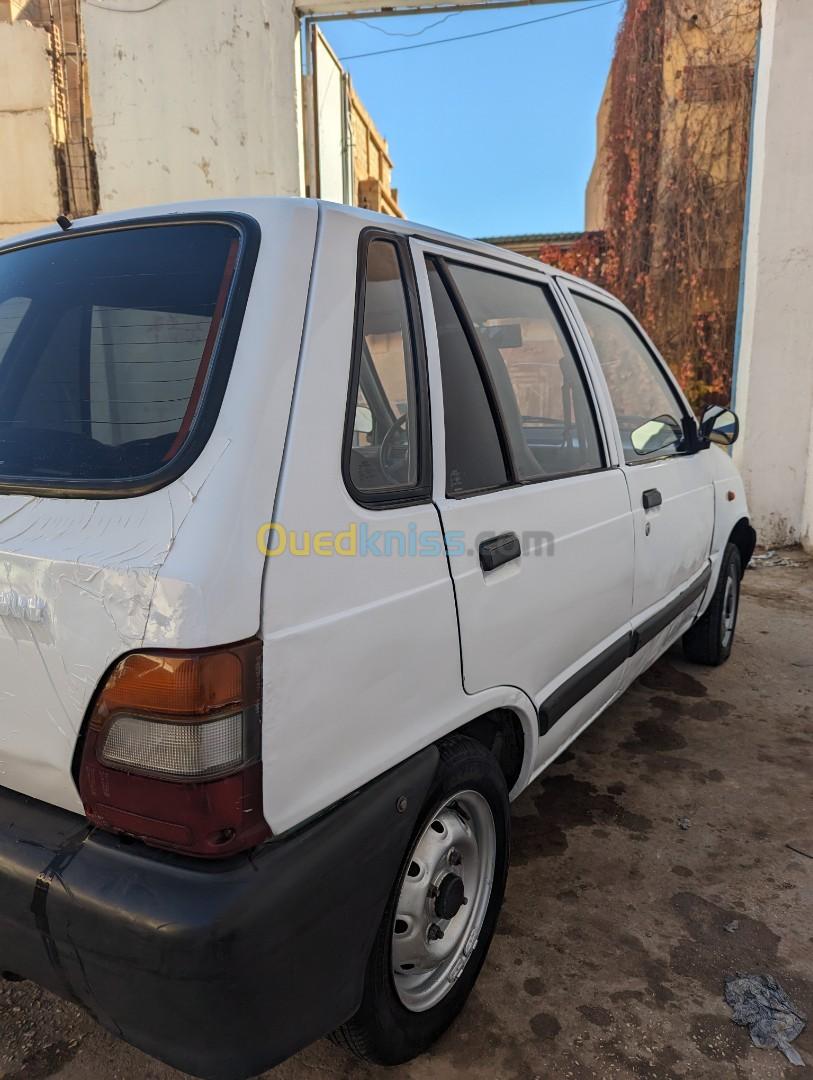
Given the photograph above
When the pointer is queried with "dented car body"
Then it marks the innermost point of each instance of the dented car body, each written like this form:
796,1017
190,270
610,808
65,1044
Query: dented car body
293,499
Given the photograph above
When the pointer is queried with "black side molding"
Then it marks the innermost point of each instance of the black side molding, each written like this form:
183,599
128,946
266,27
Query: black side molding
580,684
661,619
500,549
600,667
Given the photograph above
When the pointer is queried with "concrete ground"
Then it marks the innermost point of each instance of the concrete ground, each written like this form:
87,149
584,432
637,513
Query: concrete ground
620,922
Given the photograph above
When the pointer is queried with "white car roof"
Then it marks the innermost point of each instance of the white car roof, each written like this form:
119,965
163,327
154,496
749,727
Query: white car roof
254,205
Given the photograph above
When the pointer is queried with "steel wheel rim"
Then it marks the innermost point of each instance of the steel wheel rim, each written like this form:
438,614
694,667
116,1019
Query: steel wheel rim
730,601
459,842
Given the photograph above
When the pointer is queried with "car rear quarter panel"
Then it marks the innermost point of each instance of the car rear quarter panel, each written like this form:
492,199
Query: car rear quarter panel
175,568
209,589
361,657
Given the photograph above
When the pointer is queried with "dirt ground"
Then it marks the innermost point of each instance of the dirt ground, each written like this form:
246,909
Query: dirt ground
653,859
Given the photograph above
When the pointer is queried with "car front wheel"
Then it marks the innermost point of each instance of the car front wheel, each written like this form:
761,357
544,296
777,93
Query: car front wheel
709,641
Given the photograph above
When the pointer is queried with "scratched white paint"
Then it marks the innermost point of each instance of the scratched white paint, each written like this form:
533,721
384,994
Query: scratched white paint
193,99
177,568
774,387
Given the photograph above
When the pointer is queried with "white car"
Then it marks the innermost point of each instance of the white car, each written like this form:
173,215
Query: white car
321,535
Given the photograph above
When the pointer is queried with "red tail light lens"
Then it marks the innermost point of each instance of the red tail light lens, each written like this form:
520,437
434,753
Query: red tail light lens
172,750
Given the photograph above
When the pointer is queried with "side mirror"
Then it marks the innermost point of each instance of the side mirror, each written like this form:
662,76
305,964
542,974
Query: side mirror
719,425
657,434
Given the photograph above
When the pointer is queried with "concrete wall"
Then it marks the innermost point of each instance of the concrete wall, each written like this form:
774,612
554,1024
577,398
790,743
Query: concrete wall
774,374
192,99
26,137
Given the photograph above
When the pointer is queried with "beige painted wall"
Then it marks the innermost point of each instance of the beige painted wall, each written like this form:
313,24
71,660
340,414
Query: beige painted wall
595,196
26,141
193,99
774,385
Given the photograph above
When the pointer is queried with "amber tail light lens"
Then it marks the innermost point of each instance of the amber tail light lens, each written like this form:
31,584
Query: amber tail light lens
172,750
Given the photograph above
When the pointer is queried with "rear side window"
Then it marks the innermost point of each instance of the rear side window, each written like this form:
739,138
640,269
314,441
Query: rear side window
109,344
382,449
474,457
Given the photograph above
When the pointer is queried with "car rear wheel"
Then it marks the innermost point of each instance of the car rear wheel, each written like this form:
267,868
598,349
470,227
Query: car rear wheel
442,912
709,641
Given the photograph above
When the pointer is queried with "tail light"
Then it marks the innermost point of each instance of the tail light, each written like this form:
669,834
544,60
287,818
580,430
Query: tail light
172,750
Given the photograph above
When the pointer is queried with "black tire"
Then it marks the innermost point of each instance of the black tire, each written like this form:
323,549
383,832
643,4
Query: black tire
709,641
383,1030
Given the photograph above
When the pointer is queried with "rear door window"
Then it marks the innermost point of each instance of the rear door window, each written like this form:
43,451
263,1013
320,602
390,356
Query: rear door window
475,460
109,350
545,404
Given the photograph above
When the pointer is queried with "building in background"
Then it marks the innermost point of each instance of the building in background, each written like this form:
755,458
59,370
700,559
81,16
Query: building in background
666,197
708,234
117,103
346,158
48,160
121,103
372,164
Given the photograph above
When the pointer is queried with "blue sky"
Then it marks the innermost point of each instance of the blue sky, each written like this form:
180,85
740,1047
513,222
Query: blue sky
494,135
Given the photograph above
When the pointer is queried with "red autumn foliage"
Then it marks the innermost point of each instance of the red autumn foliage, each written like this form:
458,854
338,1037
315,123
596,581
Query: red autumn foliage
675,170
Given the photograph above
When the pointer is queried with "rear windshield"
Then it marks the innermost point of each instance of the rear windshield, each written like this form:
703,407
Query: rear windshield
107,344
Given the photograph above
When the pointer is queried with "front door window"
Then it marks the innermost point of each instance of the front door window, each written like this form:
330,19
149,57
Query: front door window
649,412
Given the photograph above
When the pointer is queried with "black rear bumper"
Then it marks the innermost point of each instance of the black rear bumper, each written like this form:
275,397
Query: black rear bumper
219,969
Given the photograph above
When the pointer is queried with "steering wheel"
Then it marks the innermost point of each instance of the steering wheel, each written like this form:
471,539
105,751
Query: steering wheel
393,458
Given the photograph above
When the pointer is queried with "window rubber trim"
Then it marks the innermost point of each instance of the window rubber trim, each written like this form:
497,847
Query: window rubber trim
220,364
520,484
420,492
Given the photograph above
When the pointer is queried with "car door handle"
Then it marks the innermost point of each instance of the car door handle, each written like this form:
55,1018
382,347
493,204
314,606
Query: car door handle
498,550
651,497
